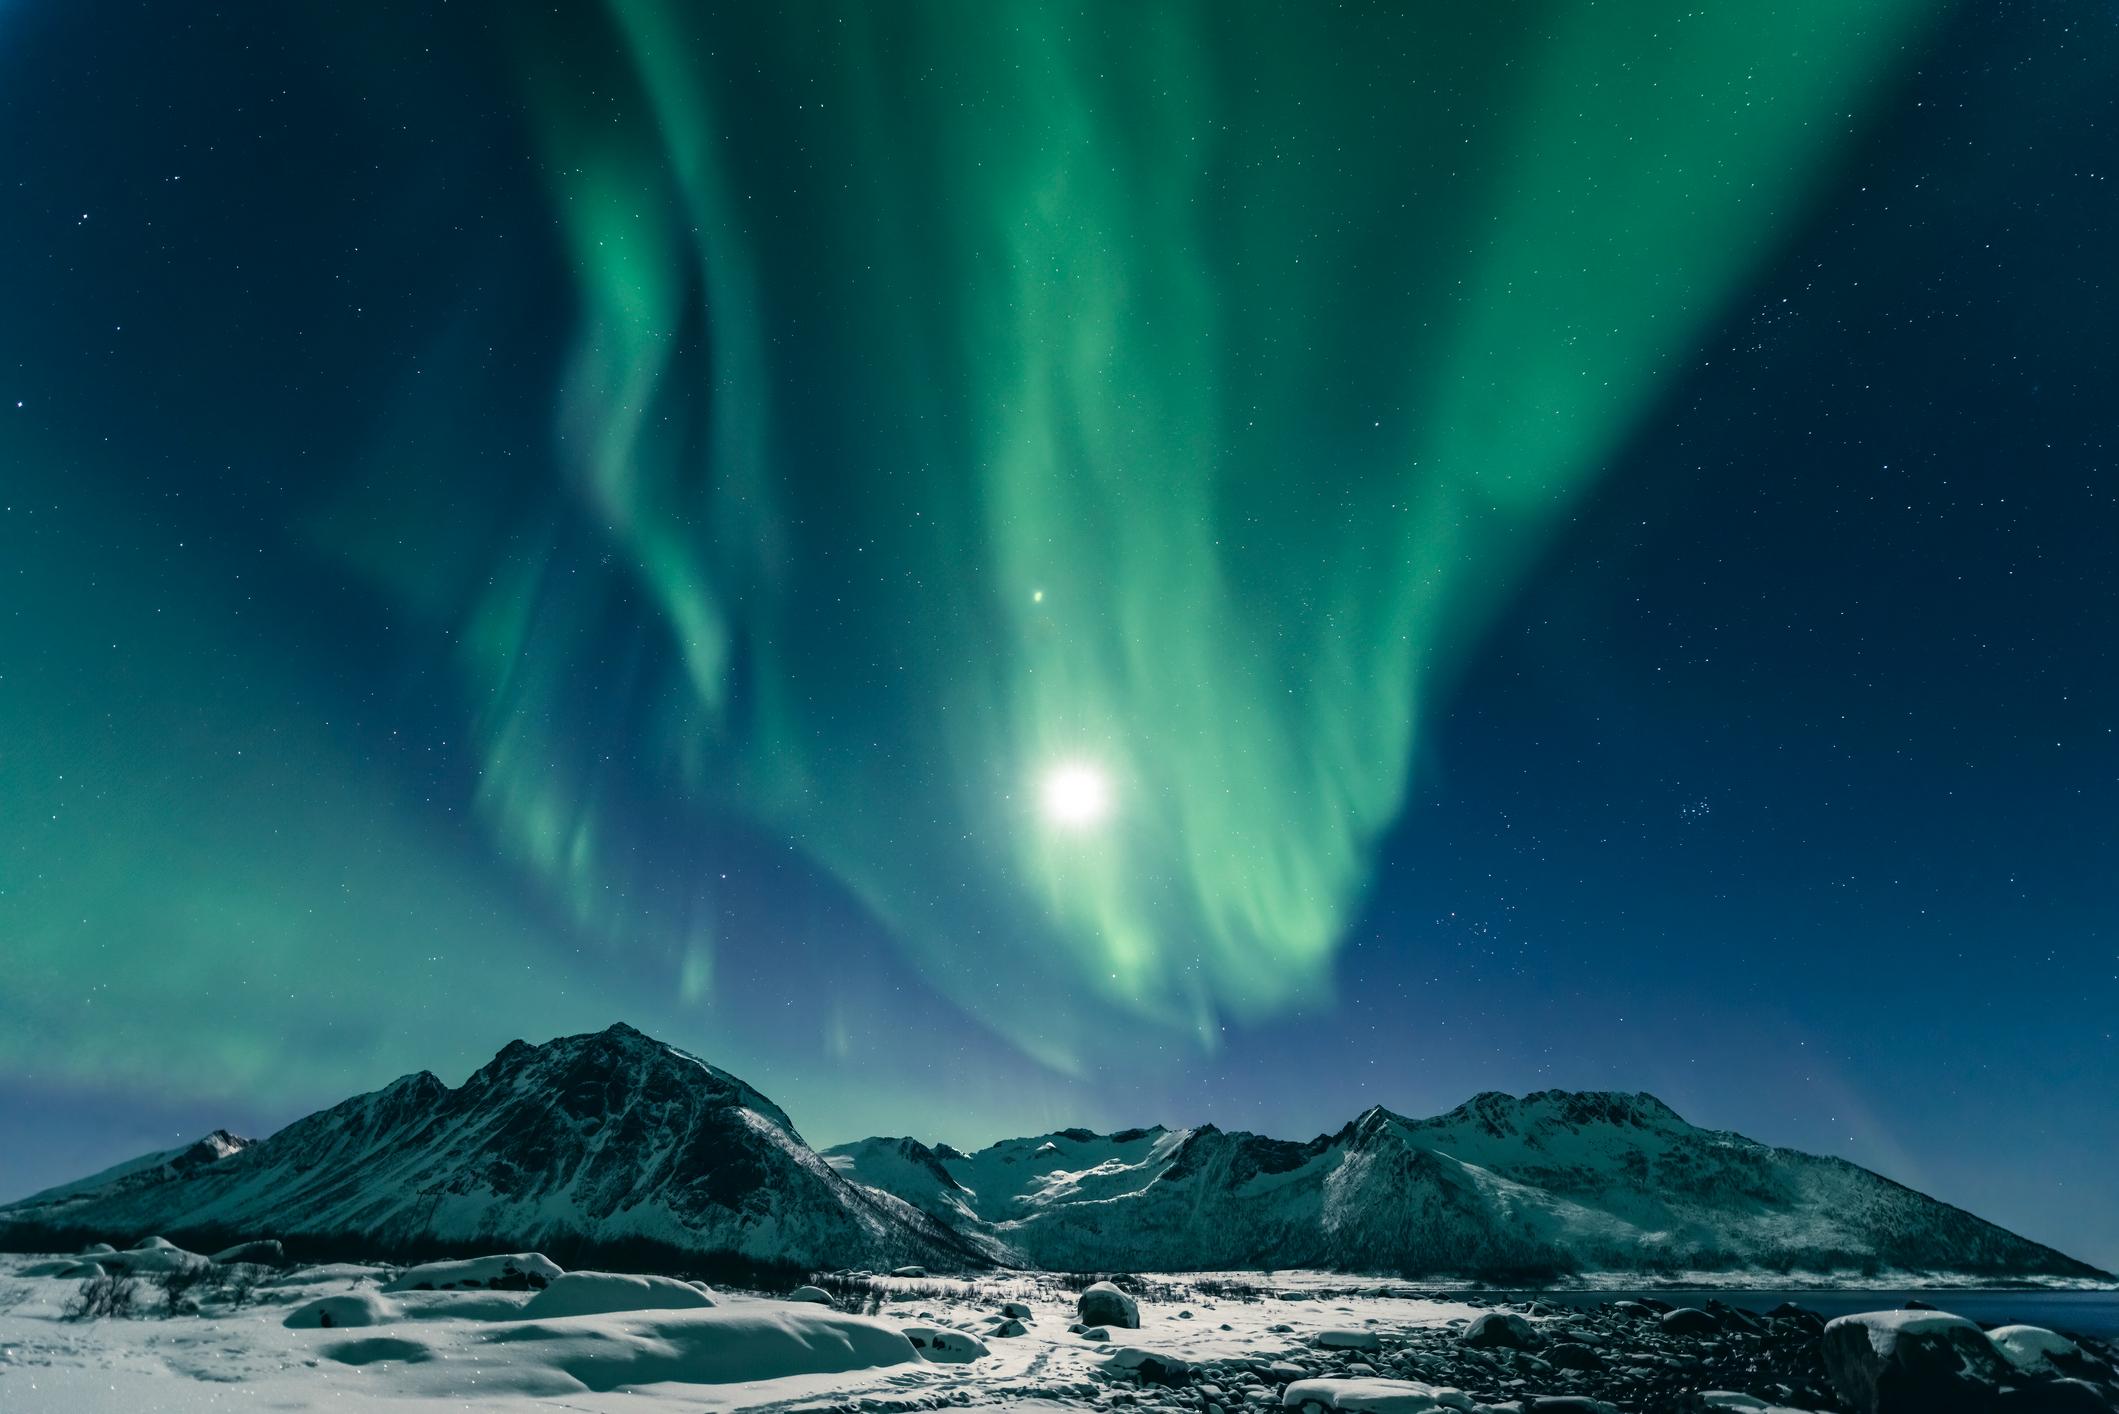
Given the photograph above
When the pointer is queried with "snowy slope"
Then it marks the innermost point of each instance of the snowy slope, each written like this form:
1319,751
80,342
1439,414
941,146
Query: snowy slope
611,1140
617,1143
1498,1188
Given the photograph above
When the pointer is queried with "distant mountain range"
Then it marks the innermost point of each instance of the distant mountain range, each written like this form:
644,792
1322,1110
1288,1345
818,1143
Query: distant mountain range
617,1143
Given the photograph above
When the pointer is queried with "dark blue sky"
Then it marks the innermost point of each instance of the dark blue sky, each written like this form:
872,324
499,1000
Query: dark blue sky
1776,774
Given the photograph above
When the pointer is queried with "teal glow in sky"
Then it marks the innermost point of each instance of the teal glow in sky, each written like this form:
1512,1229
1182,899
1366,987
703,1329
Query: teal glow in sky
994,566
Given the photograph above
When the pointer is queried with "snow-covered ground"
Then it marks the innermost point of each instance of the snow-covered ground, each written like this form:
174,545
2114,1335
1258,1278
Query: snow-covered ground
454,1349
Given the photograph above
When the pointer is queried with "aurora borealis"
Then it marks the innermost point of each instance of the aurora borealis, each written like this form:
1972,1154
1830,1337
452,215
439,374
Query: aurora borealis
990,566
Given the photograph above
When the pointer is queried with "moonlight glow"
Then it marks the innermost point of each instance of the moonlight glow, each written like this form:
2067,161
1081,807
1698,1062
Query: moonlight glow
1075,795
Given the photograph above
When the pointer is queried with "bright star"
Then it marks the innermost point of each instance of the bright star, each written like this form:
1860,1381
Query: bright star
1075,795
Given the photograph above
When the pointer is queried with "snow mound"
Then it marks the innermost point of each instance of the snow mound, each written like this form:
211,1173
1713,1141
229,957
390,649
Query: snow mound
815,1295
2032,1348
945,1346
724,1345
600,1293
354,1308
1375,1396
1886,1329
512,1271
151,1258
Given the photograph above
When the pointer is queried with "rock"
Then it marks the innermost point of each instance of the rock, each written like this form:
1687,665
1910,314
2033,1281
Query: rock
1916,1304
1374,1396
1105,1305
1151,1366
356,1308
1659,1307
1912,1362
1094,1332
1500,1330
1573,1355
2034,1349
266,1252
945,1346
1348,1340
909,1272
1689,1320
1632,1308
1567,1404
600,1293
97,1249
1016,1309
815,1295
1010,1328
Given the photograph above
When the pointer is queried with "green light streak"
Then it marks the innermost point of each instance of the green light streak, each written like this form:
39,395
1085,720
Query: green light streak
1270,345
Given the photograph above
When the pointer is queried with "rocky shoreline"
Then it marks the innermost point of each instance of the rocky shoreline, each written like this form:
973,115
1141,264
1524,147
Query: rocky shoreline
1645,1356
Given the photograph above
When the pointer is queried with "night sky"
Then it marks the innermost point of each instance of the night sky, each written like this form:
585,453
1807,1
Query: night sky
989,567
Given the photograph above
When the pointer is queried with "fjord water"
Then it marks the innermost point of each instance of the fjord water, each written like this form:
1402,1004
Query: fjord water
2092,1313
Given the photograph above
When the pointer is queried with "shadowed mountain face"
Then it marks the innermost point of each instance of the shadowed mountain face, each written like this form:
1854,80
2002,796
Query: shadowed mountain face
610,1140
615,1140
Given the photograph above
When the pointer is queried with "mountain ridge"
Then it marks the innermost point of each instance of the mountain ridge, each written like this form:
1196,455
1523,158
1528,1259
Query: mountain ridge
614,1140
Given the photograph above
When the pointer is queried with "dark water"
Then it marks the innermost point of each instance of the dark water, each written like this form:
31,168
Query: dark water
2093,1313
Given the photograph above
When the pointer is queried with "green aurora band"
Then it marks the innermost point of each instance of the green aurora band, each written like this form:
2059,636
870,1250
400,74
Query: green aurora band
1170,388
957,390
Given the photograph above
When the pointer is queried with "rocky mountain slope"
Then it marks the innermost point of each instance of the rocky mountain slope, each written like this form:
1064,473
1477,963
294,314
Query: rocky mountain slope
610,1141
617,1143
1498,1188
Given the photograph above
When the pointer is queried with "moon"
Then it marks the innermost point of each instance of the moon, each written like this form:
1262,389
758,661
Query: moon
1075,795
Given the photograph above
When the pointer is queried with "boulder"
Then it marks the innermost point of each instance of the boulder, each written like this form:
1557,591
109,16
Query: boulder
1912,1362
1500,1329
1374,1396
945,1346
1567,1404
2034,1349
1094,1332
1015,1309
600,1293
1689,1320
1151,1366
1105,1305
909,1272
1009,1328
1348,1339
1573,1355
816,1295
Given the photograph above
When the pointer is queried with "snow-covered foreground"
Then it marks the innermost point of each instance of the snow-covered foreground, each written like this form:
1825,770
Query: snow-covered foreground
433,1350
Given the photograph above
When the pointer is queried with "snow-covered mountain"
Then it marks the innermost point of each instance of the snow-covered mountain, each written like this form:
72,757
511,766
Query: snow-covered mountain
1499,1187
607,1141
617,1143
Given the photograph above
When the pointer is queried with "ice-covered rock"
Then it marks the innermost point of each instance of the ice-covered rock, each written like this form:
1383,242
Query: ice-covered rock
815,1295
1500,1328
2033,1348
598,1293
1017,1310
1103,1304
1375,1396
1911,1362
943,1345
512,1271
353,1308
